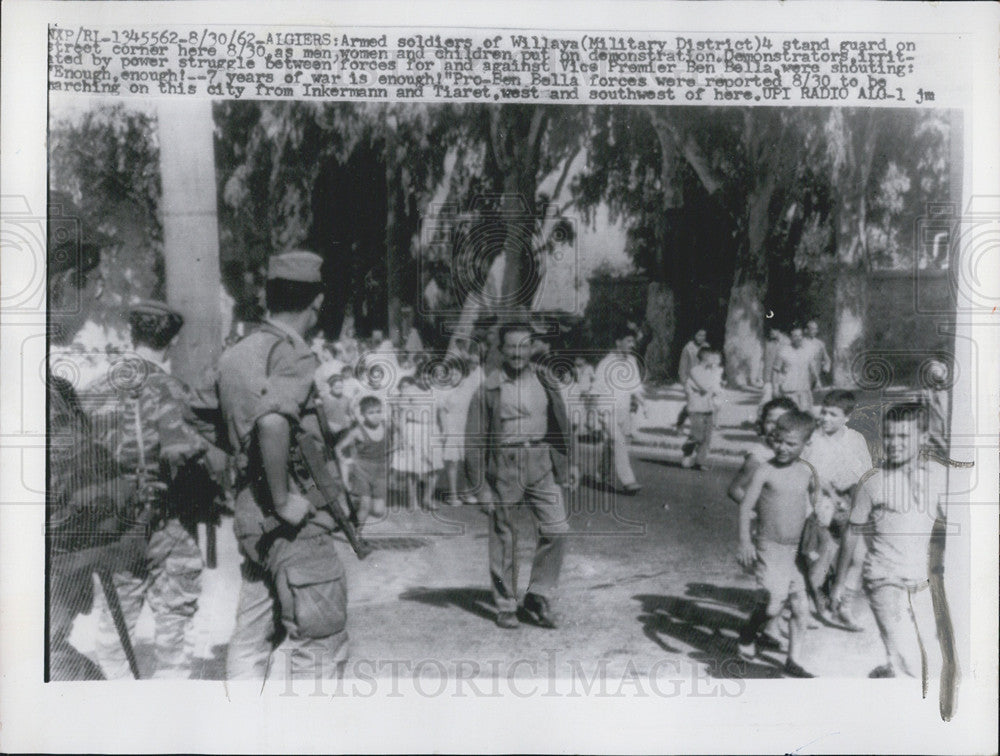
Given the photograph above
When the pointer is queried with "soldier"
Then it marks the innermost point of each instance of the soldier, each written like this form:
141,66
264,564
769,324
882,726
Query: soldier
291,568
144,420
73,458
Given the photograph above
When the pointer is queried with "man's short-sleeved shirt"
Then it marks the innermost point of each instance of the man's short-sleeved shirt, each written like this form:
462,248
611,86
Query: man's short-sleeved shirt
270,371
817,349
840,460
898,507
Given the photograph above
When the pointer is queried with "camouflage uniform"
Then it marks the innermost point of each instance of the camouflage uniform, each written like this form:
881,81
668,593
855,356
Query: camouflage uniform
293,596
75,466
141,398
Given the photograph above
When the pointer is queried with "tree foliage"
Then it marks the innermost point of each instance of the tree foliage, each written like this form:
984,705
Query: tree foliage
105,162
732,211
323,174
792,193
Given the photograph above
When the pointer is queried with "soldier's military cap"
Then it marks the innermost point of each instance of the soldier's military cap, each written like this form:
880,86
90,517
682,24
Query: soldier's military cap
160,313
295,265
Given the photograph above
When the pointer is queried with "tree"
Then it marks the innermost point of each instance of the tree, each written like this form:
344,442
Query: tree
881,169
632,168
752,185
852,138
725,168
503,154
105,161
349,179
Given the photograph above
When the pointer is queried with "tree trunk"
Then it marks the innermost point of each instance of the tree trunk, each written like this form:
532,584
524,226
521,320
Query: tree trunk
851,306
396,242
191,232
744,347
516,134
476,303
520,278
744,340
861,132
516,137
660,302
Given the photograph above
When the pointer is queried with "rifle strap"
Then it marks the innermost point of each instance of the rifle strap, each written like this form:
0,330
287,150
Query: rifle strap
140,439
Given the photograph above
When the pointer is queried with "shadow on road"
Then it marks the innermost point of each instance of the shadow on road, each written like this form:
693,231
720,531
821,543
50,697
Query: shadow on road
477,601
66,663
741,599
211,669
747,399
675,463
710,631
654,431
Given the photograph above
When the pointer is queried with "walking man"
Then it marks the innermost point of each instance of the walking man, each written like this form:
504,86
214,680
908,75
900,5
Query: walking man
617,378
794,372
518,438
899,508
815,345
689,358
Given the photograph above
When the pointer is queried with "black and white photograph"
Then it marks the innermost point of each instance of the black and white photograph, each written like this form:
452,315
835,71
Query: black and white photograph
543,353
517,400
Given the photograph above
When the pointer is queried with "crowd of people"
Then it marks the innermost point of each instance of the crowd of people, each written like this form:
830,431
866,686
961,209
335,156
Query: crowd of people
397,414
819,525
495,422
393,418
799,487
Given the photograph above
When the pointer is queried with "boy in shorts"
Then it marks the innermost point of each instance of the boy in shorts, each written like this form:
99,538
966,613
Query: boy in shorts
703,388
336,407
366,468
761,452
782,492
840,457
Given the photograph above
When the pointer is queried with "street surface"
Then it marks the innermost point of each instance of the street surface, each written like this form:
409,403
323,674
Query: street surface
641,583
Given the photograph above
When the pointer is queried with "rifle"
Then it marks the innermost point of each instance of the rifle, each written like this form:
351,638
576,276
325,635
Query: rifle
330,441
146,491
223,491
111,595
314,460
211,550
